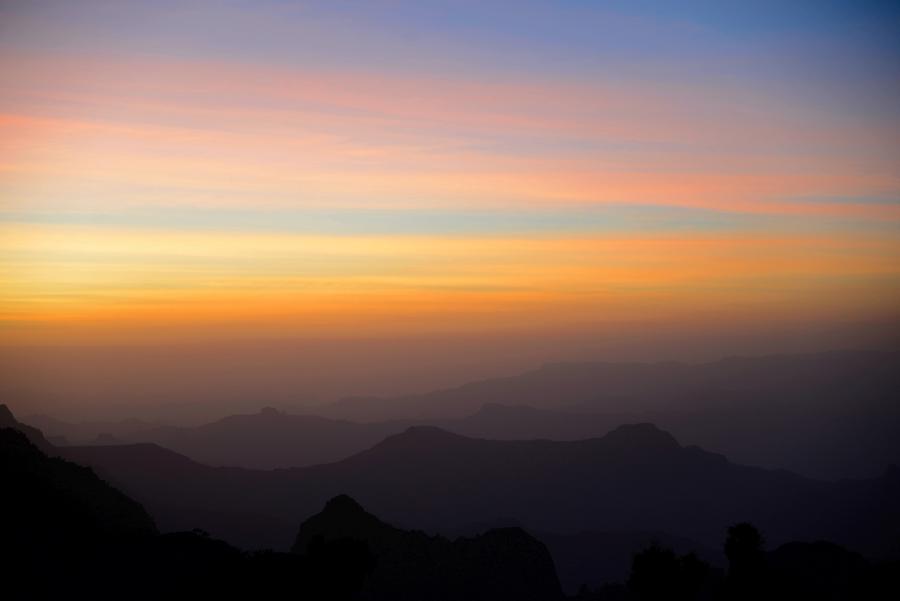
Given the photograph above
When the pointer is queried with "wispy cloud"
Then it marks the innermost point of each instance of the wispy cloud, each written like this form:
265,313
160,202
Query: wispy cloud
328,172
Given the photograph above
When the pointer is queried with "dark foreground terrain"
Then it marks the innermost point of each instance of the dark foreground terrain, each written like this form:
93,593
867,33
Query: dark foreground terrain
67,533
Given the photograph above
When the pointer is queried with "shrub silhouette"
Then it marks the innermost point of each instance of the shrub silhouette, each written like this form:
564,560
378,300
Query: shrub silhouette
338,566
658,573
746,562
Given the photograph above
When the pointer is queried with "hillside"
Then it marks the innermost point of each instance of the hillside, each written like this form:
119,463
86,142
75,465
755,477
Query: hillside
635,478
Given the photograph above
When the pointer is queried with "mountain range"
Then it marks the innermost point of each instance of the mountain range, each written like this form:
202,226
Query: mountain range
69,534
594,502
829,415
637,477
826,415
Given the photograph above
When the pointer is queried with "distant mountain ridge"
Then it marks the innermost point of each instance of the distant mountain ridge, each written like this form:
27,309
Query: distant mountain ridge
635,478
245,505
828,415
613,387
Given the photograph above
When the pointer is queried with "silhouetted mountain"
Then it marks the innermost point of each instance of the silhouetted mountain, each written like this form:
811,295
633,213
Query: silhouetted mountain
499,564
522,422
827,415
68,493
218,500
68,534
270,439
86,432
595,559
35,436
820,378
52,511
635,478
105,438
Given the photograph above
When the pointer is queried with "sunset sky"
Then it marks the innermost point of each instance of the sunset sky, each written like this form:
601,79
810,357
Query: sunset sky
195,171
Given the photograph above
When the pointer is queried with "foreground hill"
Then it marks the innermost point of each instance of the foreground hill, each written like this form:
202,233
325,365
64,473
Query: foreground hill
34,435
50,496
53,512
635,478
503,563
68,534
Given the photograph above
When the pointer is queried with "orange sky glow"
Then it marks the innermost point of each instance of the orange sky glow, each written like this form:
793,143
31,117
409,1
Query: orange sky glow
321,179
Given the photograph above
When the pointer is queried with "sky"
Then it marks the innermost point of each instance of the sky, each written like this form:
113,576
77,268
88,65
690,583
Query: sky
204,173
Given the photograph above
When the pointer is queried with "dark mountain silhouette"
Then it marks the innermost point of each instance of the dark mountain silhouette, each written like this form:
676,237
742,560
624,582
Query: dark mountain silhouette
52,511
827,415
106,438
635,478
820,378
68,534
523,422
222,501
71,496
35,436
594,559
499,564
273,439
270,439
85,432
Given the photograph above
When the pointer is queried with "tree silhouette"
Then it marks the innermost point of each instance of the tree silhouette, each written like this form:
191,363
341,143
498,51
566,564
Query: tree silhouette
338,566
693,572
658,573
746,562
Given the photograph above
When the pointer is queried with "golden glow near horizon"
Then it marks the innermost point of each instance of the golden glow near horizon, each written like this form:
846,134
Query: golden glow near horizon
210,191
82,281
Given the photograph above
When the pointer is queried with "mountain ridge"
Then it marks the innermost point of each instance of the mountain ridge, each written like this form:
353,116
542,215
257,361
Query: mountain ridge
412,479
851,393
411,565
